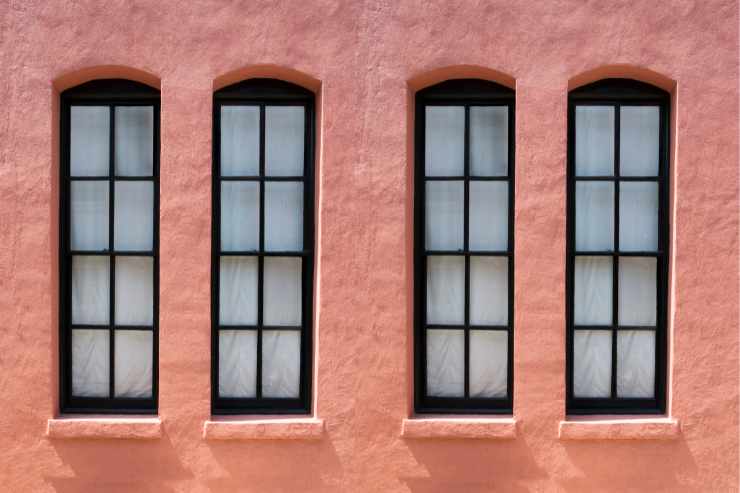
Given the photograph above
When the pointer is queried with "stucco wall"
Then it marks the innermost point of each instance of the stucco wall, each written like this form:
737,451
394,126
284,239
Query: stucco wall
364,59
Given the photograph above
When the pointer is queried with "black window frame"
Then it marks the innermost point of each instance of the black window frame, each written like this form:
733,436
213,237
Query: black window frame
618,92
263,92
112,93
467,93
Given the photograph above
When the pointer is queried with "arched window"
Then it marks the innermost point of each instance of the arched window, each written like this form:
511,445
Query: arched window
263,231
463,253
617,247
109,247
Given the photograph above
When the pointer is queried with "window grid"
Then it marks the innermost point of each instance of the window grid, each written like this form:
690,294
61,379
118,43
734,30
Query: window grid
632,98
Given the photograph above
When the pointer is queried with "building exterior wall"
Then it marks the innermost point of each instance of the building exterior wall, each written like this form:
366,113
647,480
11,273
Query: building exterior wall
364,60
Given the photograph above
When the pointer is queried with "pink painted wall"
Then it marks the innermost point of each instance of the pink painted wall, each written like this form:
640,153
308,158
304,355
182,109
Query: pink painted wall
364,60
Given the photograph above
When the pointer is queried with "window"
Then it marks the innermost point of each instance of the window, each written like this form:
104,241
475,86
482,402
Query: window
262,248
464,259
617,248
109,261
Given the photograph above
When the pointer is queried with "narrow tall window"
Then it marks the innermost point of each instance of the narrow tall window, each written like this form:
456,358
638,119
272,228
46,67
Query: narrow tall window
464,261
262,248
109,247
617,247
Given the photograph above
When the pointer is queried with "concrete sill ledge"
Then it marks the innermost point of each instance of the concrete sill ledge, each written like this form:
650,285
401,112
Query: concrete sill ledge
264,428
473,427
109,427
624,428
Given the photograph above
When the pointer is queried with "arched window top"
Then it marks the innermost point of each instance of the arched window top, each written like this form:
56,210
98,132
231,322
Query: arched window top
466,89
264,89
111,90
619,90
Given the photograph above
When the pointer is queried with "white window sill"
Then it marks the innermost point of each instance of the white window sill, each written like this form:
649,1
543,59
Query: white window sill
619,428
467,427
263,428
105,427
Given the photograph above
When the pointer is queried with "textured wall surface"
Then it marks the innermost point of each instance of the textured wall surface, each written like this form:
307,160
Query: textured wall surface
364,59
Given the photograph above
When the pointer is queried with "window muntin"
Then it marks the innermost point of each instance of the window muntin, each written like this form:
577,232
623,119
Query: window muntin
617,248
464,247
109,247
263,240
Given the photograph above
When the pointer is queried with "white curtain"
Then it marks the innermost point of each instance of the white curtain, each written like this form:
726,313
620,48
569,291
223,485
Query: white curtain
90,363
445,290
445,140
237,363
639,140
240,216
281,357
594,140
445,363
284,140
444,215
240,140
592,292
638,216
134,140
238,291
637,291
636,363
90,290
489,215
89,140
134,215
282,291
133,363
488,363
89,215
283,216
134,290
594,216
489,290
592,369
489,140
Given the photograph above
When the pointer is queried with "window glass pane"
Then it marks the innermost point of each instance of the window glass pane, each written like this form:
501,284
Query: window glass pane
90,363
240,216
284,216
240,140
444,215
282,291
281,363
489,140
445,363
639,140
90,290
134,215
237,363
594,216
489,290
592,368
636,363
445,140
592,291
89,215
445,290
637,291
489,215
89,145
238,291
133,363
488,363
638,216
284,140
134,140
594,141
134,290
